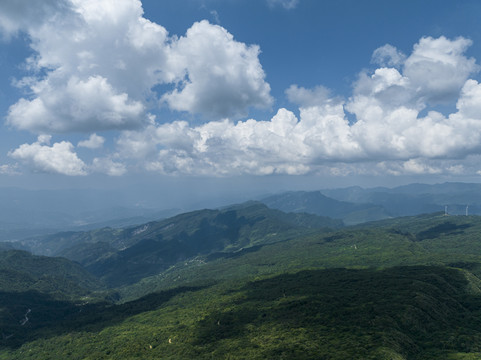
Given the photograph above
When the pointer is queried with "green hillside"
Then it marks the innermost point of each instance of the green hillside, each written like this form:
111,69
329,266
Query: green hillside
125,256
37,291
20,271
404,288
396,242
397,313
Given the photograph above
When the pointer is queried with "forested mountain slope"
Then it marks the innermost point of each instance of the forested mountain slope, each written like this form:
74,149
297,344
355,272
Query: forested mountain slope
404,288
122,256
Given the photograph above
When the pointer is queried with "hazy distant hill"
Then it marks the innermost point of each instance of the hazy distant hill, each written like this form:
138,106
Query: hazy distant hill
314,202
416,198
26,213
356,205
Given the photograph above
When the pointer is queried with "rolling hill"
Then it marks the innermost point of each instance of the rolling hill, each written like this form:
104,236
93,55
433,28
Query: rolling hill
22,271
123,256
402,288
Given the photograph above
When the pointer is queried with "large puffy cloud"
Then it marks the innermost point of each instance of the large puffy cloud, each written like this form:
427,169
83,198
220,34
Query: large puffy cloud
96,63
388,130
75,106
284,145
434,73
321,136
469,103
222,77
59,158
93,67
220,148
387,103
438,68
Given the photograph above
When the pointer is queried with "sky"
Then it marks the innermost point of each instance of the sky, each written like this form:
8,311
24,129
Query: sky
239,96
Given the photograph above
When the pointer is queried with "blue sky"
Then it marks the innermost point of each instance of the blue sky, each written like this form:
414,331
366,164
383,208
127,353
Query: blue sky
263,94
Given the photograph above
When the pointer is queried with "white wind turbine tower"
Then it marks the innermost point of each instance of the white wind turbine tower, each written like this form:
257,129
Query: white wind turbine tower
467,208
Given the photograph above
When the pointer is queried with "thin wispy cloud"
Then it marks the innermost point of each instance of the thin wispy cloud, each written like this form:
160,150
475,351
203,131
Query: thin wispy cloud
215,16
286,4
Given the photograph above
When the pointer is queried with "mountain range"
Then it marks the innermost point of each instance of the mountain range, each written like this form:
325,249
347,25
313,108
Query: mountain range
250,281
27,213
355,205
120,256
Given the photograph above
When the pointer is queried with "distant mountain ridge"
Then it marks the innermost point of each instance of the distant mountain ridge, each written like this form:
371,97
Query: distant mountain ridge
126,255
314,202
26,213
355,205
416,198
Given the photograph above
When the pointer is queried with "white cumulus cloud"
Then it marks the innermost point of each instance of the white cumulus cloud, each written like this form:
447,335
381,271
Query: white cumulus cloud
59,158
96,63
75,106
101,66
220,77
94,142
438,68
389,129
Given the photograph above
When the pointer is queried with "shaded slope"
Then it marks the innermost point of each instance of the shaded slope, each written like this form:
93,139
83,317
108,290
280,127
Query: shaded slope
408,312
290,298
398,313
125,256
428,239
22,271
27,316
203,232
